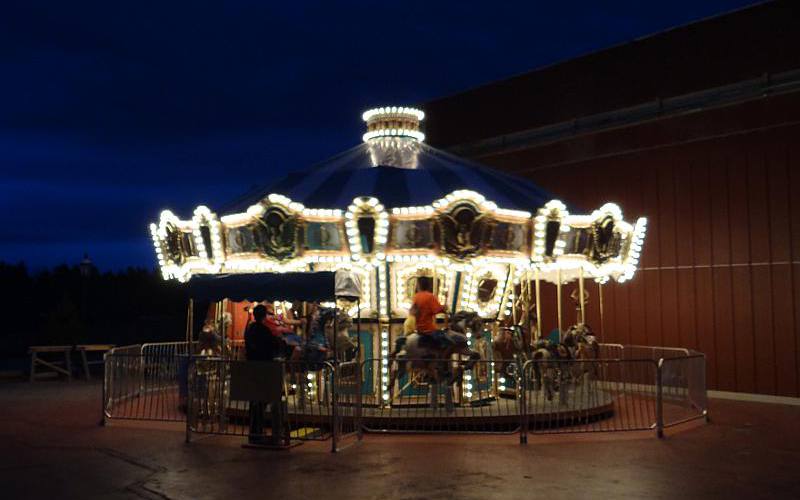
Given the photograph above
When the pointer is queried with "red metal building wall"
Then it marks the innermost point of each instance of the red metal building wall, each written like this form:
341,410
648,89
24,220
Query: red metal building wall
719,270
719,180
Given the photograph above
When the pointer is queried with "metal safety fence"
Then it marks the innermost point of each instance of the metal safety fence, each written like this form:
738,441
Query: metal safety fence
146,382
569,396
426,396
141,387
166,382
127,349
682,387
274,403
611,351
626,388
167,349
608,395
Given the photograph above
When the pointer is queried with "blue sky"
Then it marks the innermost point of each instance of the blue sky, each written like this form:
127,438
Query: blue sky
112,111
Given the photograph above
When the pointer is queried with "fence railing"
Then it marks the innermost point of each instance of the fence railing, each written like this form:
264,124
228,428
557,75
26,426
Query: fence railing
589,396
146,382
235,350
166,349
126,349
627,388
683,389
290,401
426,396
654,353
141,387
611,351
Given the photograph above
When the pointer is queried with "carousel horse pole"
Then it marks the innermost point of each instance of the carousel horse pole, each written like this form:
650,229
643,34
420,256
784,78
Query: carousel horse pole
558,301
358,330
600,301
514,303
580,295
221,322
189,320
335,332
538,306
528,318
523,315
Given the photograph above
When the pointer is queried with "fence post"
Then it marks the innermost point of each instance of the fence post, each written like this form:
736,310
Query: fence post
659,400
103,391
705,389
359,401
189,396
523,406
334,408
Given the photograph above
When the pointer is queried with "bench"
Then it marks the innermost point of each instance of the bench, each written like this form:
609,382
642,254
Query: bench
84,348
65,367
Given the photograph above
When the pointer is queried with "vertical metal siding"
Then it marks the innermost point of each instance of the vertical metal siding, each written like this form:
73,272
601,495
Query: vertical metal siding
720,264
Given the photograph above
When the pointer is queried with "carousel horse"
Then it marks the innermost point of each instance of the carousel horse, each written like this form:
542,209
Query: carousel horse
555,367
420,356
551,368
586,350
310,355
510,350
318,348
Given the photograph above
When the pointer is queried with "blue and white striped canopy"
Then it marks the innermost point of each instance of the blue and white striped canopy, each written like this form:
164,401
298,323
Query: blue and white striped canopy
337,181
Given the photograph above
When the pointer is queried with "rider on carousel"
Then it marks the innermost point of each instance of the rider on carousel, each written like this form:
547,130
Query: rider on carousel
315,346
424,308
283,328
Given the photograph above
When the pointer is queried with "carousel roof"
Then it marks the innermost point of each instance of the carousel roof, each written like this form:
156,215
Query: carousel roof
396,199
336,182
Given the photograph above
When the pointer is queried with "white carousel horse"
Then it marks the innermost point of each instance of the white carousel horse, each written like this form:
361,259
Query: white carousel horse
423,358
555,366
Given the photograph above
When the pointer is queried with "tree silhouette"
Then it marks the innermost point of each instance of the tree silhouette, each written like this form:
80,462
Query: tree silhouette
60,306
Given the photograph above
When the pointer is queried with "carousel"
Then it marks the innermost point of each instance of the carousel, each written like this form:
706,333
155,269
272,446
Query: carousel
394,209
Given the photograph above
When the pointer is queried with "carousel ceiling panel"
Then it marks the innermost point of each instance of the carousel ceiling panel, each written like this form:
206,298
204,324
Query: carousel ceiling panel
413,234
336,182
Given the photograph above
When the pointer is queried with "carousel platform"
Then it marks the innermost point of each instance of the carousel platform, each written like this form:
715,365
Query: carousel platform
486,415
408,413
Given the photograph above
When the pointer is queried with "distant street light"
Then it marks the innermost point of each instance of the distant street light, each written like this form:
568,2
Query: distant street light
86,266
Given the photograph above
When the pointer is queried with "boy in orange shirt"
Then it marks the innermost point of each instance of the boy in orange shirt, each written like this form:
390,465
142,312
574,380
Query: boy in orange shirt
425,307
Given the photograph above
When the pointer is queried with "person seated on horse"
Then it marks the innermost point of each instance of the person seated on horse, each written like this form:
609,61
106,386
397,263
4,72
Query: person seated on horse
285,327
283,335
289,318
424,309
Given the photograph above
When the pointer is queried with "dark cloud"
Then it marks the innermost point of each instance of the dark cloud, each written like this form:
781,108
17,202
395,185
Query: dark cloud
110,111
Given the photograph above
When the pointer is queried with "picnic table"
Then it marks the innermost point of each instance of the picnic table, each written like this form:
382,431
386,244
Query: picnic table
64,367
84,348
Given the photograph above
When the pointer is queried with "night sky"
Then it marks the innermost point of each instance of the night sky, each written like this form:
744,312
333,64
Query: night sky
111,111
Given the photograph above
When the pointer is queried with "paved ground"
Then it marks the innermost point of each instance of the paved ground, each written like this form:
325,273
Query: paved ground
52,447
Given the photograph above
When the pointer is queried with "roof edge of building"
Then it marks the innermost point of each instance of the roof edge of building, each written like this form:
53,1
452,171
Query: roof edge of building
713,98
595,52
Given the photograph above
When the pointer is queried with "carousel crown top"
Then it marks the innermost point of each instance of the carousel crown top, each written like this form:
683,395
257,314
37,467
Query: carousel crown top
393,208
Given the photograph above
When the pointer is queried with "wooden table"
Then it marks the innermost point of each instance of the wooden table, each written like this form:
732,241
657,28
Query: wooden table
84,348
36,350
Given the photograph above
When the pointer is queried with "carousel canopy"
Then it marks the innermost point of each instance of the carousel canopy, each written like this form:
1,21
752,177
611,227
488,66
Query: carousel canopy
337,181
390,210
311,287
319,286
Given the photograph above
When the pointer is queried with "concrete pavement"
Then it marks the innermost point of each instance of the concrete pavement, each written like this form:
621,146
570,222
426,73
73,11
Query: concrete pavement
53,448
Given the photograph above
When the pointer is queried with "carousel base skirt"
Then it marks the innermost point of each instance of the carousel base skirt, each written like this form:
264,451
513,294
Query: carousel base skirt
487,415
